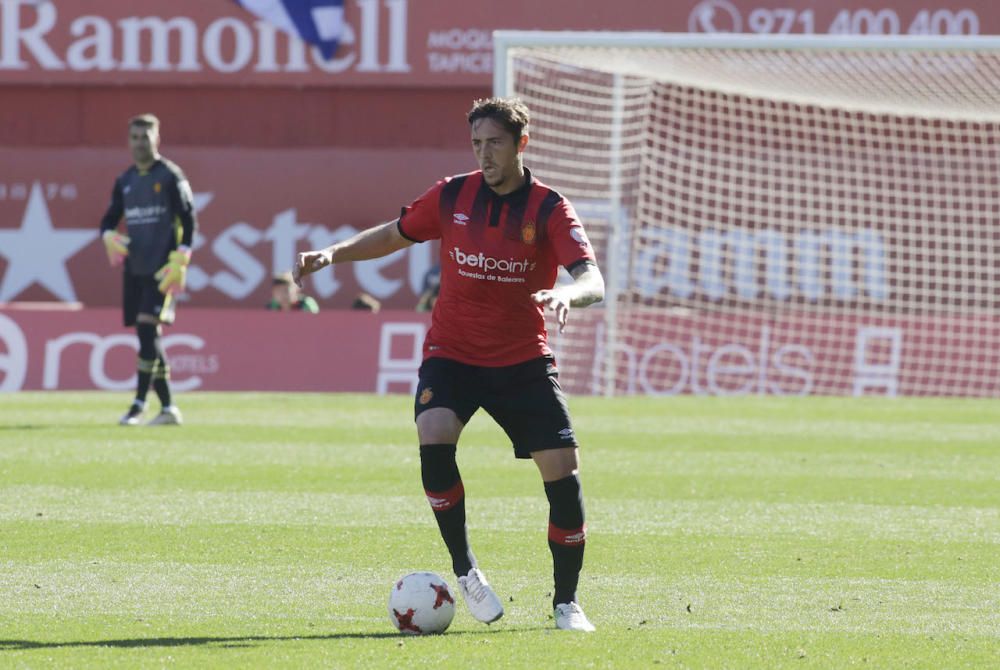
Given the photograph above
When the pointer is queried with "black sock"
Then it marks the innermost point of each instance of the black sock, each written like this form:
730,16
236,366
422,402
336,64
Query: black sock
567,536
443,486
147,333
151,349
161,380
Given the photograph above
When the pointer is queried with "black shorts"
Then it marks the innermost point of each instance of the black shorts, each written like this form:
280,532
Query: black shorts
524,399
142,296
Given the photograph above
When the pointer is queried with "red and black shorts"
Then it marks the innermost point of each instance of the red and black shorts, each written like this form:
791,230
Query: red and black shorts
524,399
142,296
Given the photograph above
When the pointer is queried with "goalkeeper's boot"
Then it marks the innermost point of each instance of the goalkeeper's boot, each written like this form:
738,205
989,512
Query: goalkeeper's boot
133,416
168,416
570,616
482,602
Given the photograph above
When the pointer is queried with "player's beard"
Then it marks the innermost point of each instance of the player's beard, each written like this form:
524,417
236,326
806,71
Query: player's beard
496,175
142,155
493,175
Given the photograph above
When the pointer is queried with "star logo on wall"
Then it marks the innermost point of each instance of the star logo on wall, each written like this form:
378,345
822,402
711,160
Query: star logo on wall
37,253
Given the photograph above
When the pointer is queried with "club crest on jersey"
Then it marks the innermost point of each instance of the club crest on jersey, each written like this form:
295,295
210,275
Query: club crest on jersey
156,187
426,395
528,232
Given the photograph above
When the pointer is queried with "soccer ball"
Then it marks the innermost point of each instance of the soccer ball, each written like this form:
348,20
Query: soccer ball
421,603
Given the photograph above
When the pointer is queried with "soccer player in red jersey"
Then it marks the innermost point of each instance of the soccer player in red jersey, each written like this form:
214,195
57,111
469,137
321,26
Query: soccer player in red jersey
503,235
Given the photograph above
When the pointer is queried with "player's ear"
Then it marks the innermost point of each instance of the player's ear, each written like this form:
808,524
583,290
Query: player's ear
522,143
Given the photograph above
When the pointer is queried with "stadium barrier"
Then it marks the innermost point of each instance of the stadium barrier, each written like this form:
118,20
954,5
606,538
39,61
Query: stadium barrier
212,350
348,351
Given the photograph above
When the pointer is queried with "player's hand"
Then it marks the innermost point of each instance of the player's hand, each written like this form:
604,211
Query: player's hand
553,300
173,275
116,246
308,262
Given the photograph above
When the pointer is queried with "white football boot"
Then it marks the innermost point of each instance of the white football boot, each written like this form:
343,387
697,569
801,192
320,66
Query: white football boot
133,417
168,416
479,597
570,616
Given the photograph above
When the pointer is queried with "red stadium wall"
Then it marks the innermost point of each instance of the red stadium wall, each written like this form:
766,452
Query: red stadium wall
353,351
239,350
70,73
285,152
255,207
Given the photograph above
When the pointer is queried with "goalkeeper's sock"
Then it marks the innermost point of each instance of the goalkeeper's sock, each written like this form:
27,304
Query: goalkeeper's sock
443,486
145,374
161,381
148,355
567,536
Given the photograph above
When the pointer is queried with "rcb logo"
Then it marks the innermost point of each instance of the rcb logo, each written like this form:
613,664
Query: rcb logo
528,232
426,395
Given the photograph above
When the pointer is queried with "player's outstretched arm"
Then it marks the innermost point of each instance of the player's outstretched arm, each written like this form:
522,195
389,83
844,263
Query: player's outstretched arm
375,242
586,289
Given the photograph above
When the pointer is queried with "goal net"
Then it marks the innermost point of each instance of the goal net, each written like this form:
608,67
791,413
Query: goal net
808,215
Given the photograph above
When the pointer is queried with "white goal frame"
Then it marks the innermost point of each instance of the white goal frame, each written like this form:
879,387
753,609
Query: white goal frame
505,42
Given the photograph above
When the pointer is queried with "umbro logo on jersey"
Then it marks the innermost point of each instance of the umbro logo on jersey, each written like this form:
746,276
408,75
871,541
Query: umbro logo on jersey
460,219
566,434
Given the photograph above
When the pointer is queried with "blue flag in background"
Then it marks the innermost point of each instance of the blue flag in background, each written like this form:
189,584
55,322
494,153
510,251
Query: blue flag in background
318,22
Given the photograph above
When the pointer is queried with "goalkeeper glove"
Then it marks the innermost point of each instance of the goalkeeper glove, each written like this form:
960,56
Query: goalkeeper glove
173,275
116,245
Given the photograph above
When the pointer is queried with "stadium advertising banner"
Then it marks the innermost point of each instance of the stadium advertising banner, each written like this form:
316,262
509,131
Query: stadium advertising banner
796,353
256,210
233,350
353,351
393,42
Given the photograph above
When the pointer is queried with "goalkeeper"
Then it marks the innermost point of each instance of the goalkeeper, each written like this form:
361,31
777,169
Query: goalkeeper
156,201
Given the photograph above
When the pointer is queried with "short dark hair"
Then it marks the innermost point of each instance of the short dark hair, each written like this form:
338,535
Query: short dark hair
511,113
145,121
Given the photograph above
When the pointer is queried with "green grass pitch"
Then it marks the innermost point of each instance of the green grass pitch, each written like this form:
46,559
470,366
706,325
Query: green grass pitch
724,533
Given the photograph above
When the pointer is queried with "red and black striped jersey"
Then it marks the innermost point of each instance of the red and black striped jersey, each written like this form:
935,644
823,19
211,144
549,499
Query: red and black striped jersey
496,250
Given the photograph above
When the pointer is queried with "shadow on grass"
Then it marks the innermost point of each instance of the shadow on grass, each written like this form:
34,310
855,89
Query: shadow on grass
223,642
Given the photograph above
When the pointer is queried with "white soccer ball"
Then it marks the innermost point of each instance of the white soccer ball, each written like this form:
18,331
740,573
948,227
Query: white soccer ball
421,603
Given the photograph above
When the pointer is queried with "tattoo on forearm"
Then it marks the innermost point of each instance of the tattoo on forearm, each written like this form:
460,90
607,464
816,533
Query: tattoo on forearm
590,286
588,297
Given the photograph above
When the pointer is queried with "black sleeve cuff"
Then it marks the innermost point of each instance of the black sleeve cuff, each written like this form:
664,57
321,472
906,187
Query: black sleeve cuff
575,264
399,227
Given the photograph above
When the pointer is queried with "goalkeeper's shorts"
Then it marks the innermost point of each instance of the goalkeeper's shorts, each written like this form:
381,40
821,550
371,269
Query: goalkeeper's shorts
142,296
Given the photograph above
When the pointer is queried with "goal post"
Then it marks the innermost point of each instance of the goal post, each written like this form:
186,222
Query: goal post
784,215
